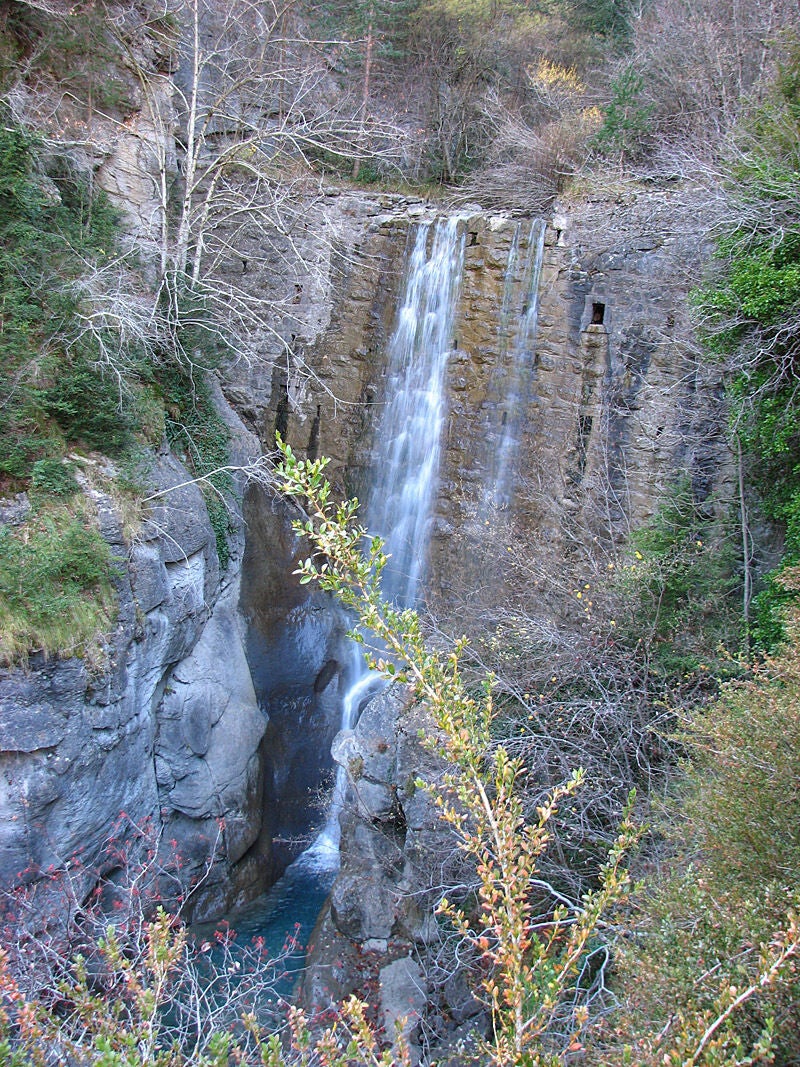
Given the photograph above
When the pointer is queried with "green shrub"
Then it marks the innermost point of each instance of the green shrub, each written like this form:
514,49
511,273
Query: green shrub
88,406
55,586
77,52
748,316
626,119
52,477
198,435
681,587
610,19
734,872
50,227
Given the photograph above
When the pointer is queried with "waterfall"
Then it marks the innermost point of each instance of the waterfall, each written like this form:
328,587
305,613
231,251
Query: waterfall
405,460
405,468
407,451
516,360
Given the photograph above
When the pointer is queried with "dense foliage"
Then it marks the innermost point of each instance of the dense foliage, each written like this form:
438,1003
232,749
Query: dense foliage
734,871
50,228
751,317
681,587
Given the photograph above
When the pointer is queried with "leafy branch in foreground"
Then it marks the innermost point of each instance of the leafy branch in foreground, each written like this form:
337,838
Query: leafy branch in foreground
529,966
148,998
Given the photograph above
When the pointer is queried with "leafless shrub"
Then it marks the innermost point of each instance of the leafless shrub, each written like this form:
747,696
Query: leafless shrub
97,919
701,61
528,166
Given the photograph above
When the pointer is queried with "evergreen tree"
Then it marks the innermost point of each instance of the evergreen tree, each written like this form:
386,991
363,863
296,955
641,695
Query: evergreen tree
375,31
627,118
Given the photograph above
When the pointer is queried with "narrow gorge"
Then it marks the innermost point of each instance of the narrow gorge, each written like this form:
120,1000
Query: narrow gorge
559,421
515,284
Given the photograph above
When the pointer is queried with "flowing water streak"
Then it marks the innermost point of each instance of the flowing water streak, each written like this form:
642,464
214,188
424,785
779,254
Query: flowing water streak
406,454
510,291
408,446
498,382
519,361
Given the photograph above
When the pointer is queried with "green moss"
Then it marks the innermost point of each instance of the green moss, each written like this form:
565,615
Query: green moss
52,477
198,436
56,592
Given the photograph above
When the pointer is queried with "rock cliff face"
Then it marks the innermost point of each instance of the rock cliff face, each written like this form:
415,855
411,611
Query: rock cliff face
295,653
159,743
216,709
612,404
396,856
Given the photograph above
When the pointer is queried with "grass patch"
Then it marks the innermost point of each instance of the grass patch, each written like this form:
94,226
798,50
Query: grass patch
56,594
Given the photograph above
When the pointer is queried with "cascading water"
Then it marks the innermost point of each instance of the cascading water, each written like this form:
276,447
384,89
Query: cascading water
405,470
405,462
516,359
406,457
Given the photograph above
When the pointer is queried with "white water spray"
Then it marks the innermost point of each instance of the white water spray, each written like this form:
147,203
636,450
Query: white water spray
516,361
408,444
406,454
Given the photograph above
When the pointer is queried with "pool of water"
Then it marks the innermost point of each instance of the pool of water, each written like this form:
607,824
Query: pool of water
279,923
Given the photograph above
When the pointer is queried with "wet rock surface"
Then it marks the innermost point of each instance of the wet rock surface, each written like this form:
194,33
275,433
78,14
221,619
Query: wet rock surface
379,933
614,403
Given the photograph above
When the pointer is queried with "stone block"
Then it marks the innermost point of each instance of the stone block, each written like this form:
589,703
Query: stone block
404,995
149,576
29,727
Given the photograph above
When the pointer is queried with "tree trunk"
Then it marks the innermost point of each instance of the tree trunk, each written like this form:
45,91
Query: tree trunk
364,97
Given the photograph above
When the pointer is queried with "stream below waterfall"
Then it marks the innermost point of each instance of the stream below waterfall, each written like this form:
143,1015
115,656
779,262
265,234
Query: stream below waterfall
399,508
282,920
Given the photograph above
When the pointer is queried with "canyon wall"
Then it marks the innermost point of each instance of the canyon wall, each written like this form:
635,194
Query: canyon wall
192,720
151,747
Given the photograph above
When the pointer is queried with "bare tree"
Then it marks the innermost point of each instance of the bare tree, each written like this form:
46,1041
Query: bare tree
701,61
220,116
252,109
